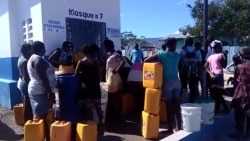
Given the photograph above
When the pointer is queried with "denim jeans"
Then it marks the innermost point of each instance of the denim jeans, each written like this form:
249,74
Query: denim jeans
27,110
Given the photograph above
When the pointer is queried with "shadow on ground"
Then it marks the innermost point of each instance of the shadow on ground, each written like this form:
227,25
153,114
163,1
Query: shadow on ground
131,127
112,138
6,133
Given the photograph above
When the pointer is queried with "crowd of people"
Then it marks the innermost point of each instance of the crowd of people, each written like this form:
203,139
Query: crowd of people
182,72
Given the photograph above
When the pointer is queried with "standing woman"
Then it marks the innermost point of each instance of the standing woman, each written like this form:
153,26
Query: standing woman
113,66
41,85
214,66
24,80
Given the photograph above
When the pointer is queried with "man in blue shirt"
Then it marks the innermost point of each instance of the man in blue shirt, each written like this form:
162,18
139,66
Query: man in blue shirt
171,83
136,55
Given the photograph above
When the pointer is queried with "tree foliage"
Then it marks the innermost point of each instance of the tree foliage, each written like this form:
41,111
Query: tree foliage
228,19
128,39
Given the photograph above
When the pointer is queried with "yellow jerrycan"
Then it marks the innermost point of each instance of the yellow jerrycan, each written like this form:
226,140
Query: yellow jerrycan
86,131
18,113
150,125
34,131
152,101
152,75
163,112
67,69
60,131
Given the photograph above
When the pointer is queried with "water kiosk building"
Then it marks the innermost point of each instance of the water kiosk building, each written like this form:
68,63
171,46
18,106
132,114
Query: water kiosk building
52,22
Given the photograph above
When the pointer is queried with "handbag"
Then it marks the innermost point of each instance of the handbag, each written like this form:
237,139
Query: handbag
114,82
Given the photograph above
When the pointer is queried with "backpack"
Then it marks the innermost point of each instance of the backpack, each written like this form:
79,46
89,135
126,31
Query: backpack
189,66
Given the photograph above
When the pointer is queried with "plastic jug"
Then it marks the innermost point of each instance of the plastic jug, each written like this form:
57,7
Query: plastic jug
163,112
78,56
152,75
60,131
152,101
18,112
150,125
86,131
34,131
66,69
127,104
50,117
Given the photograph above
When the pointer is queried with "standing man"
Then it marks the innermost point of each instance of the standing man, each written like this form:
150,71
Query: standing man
62,56
171,83
191,61
26,52
136,55
202,71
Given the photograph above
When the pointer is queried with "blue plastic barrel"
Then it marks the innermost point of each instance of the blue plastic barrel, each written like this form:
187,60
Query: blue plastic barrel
67,86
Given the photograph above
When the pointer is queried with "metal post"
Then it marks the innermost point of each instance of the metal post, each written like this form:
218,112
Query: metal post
205,23
205,34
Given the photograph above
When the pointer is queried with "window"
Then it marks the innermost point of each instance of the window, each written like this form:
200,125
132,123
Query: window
29,21
30,35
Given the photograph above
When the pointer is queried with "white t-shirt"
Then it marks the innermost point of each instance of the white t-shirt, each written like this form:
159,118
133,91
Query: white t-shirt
36,85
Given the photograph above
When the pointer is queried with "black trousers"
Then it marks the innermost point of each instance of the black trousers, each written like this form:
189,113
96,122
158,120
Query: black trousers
217,96
138,92
114,107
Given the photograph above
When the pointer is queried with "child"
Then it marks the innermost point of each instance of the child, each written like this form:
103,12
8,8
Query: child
241,98
171,83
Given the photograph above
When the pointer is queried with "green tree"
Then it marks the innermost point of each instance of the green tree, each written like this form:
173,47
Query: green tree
128,39
228,19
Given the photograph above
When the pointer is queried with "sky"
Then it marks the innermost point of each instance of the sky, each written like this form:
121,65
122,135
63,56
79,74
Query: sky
154,18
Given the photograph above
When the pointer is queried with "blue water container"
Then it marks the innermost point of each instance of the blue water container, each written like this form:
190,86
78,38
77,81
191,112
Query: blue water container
67,86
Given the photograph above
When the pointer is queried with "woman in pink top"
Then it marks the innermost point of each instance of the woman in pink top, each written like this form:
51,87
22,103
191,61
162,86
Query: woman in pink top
214,66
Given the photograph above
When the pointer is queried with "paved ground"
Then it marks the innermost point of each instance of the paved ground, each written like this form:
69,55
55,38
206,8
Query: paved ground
130,131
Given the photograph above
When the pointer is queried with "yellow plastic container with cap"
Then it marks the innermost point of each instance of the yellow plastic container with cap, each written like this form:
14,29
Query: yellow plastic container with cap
77,57
127,104
60,131
150,125
66,69
34,131
152,75
152,101
50,117
86,131
163,112
18,113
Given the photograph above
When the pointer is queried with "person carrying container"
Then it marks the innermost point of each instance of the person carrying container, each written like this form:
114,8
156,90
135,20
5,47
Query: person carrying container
62,56
171,84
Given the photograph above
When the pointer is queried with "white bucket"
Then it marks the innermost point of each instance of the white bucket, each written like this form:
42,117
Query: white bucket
191,116
207,115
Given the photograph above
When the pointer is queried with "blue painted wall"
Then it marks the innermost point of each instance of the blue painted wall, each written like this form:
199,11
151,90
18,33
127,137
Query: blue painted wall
9,93
8,68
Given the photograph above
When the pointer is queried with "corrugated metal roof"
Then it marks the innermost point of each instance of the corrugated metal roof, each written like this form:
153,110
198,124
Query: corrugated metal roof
177,36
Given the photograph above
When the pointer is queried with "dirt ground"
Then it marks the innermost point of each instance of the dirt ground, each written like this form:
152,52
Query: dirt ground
9,131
